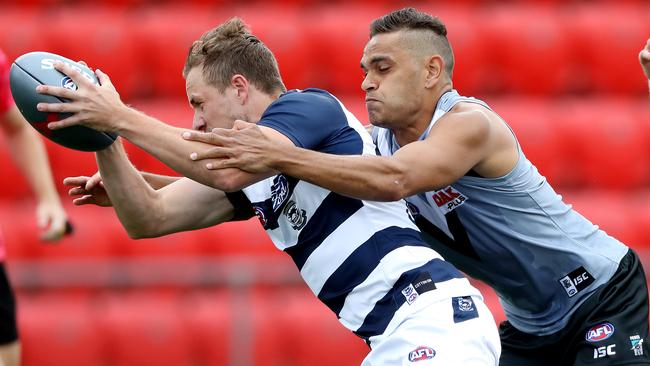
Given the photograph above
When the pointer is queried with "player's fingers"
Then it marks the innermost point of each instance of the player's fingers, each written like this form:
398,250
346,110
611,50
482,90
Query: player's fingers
104,79
207,137
216,152
70,121
84,200
57,91
221,164
74,74
75,181
93,182
223,132
82,63
77,191
58,107
240,125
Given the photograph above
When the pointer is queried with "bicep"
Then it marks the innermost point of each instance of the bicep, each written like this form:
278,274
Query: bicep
189,205
445,156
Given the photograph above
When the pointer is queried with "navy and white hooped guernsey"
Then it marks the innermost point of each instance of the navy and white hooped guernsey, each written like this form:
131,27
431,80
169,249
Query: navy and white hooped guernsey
364,260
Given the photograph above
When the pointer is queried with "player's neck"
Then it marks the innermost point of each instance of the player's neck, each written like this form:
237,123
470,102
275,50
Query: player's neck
412,130
260,103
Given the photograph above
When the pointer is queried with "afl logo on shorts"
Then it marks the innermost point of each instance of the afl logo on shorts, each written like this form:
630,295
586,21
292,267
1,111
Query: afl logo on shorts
67,83
599,332
422,353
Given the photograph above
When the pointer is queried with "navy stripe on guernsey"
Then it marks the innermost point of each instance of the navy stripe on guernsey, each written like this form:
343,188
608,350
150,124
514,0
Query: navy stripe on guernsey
331,213
378,319
358,266
313,119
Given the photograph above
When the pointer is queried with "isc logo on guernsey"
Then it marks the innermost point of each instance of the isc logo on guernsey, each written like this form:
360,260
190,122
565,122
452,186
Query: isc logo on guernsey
599,332
421,353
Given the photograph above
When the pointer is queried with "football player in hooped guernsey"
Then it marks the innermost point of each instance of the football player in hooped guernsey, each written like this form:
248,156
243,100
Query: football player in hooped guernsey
365,260
573,295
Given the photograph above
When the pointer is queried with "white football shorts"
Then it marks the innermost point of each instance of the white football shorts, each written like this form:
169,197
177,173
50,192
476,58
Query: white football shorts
453,331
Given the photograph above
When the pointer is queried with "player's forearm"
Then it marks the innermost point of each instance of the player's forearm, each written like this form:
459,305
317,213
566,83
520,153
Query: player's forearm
135,202
157,181
28,151
365,177
166,144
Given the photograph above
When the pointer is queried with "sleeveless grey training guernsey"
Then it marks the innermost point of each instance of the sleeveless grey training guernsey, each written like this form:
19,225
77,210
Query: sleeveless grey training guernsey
514,233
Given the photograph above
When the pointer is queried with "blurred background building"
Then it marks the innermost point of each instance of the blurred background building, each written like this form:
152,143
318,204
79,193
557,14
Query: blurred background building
564,75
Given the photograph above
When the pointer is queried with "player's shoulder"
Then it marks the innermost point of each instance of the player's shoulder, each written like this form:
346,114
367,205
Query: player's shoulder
313,104
467,122
470,116
311,97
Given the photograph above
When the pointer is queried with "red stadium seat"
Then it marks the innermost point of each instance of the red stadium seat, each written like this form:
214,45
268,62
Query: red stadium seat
605,41
164,35
527,48
146,329
341,33
209,317
21,31
106,42
608,142
57,329
311,331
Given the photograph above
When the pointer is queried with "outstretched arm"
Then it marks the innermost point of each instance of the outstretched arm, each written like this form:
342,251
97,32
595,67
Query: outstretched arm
453,147
28,151
100,107
145,212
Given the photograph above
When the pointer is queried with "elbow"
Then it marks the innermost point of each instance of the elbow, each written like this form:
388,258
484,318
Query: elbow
395,188
141,232
227,182
393,191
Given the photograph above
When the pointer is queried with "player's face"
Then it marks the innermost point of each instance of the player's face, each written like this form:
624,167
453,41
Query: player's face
212,108
394,81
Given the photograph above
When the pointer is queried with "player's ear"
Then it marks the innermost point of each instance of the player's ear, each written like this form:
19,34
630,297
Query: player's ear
240,86
435,67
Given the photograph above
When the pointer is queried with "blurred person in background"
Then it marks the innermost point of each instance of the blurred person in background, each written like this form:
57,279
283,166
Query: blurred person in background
28,151
644,58
573,295
364,260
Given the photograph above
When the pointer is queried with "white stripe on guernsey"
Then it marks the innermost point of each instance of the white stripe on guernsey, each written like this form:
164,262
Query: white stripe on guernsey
363,298
338,246
309,198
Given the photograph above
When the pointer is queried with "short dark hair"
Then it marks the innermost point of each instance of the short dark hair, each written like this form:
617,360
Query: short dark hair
231,49
412,19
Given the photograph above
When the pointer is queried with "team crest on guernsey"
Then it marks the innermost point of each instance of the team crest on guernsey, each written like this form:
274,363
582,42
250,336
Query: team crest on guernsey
279,191
296,216
448,199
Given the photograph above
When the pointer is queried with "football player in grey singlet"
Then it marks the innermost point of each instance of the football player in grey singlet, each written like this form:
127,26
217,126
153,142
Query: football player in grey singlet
572,294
